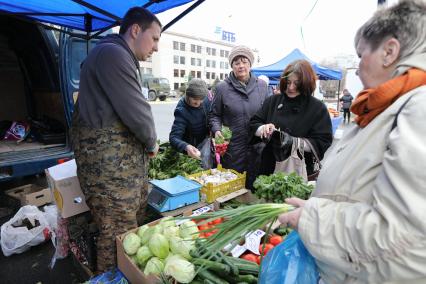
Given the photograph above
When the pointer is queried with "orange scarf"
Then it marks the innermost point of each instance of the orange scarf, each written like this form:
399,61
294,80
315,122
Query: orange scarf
371,102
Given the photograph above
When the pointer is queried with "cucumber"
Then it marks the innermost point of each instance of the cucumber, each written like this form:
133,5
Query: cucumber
207,275
211,265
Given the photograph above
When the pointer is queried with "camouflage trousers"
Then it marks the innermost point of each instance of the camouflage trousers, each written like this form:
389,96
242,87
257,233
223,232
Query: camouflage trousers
112,170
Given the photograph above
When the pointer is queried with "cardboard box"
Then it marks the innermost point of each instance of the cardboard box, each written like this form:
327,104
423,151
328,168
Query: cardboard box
65,187
31,194
129,269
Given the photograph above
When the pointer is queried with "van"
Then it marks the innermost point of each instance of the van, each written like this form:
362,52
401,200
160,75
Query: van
39,77
157,87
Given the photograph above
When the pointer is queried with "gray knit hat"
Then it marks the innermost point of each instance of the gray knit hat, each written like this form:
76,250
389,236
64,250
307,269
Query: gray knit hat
241,50
197,88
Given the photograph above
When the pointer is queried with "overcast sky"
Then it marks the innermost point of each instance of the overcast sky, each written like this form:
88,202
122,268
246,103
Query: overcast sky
320,28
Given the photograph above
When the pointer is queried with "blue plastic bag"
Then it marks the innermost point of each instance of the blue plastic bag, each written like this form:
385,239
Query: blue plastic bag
289,263
114,276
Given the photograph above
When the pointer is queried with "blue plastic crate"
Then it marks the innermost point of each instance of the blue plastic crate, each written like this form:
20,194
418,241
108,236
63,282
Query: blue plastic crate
335,122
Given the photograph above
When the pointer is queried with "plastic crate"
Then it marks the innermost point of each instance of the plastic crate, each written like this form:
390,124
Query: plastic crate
210,192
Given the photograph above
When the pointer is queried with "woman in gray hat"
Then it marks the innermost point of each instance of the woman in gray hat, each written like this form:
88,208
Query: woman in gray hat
190,126
236,100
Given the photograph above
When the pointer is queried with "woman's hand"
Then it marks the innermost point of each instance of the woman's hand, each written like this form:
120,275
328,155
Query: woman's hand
218,134
291,219
193,152
267,130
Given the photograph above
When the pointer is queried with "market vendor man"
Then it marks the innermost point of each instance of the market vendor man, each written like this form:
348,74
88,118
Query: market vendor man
113,131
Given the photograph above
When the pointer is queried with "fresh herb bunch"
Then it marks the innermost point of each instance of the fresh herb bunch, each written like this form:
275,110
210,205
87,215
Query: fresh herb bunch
279,186
169,163
226,133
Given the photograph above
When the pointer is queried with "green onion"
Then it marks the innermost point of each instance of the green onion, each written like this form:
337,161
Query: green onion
237,223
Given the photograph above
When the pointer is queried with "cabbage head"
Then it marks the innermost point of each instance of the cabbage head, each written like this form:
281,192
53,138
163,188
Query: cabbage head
143,254
154,266
167,222
142,230
159,245
131,243
189,230
180,269
181,247
171,231
147,234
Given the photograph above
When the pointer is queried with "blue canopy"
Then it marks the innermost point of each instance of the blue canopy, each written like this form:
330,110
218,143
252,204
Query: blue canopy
84,15
275,70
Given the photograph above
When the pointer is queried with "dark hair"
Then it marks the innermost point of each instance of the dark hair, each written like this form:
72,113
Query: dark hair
306,74
140,16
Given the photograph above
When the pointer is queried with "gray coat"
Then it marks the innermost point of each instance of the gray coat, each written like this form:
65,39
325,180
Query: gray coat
233,106
346,101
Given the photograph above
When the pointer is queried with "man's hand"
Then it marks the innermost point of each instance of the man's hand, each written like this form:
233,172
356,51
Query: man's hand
193,152
154,152
291,219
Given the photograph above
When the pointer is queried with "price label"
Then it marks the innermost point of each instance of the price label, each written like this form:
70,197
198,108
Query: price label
201,210
238,250
253,241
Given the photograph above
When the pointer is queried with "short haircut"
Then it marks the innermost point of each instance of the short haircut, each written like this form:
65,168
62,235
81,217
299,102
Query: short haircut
405,21
307,78
140,16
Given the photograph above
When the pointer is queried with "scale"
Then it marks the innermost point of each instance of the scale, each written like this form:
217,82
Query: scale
170,194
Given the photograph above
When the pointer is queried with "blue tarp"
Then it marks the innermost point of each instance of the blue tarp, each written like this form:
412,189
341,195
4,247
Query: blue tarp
73,13
275,70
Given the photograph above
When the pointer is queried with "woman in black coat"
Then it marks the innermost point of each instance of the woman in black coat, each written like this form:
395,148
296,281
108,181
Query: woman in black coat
295,112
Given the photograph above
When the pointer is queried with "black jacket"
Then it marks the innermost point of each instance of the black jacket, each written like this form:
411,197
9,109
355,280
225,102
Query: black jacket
302,116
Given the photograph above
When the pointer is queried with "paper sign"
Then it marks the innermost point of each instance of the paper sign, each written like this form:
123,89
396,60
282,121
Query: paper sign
253,241
201,210
238,250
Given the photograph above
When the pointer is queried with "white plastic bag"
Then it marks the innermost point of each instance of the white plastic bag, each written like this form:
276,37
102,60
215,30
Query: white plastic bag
19,239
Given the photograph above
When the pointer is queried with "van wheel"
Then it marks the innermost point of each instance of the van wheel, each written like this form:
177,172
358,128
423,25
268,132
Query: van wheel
152,96
163,98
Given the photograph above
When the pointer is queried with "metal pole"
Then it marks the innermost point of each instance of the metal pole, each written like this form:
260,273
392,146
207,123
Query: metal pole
338,97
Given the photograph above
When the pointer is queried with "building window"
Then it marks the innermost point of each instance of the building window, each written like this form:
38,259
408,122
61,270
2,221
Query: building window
182,60
149,71
182,73
226,76
175,73
193,49
198,74
226,53
175,45
213,75
213,64
176,86
192,61
226,65
198,49
222,65
182,46
182,84
198,62
175,59
214,51
192,74
207,63
207,75
221,76
208,50
222,53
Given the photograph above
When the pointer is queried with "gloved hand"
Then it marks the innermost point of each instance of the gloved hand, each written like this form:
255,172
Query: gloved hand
282,143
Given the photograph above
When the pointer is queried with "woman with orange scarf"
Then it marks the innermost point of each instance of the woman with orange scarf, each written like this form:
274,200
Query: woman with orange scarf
365,221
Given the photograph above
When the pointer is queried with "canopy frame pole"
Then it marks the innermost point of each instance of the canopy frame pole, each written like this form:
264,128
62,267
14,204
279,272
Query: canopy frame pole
181,15
338,97
97,9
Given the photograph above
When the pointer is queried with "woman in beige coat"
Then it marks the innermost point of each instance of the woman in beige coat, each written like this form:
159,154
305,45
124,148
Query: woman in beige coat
366,220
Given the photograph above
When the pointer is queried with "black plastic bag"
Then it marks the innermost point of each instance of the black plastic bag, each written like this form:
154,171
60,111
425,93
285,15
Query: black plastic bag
207,153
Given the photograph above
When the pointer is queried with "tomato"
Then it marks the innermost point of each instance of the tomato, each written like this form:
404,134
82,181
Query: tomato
217,221
215,231
202,235
250,257
203,227
275,240
208,234
268,247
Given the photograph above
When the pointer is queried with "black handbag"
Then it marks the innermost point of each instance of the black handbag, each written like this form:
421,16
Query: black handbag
317,162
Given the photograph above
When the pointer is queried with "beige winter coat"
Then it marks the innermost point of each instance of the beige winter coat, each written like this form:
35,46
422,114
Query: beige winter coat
367,220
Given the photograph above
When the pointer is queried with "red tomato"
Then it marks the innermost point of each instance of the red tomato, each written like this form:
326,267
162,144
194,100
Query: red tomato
215,231
275,240
250,257
268,247
217,221
208,234
203,227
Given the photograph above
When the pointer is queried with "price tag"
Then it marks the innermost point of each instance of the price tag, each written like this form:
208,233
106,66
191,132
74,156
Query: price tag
253,241
238,250
201,210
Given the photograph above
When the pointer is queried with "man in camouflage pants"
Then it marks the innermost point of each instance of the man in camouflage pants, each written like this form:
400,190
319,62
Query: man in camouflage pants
113,131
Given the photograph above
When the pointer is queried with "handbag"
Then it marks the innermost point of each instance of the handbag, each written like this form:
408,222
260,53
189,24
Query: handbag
317,162
295,162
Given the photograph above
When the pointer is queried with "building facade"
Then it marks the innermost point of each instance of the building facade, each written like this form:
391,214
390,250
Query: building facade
182,57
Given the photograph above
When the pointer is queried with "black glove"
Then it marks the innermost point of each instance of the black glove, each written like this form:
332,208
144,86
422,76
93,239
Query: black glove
281,143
